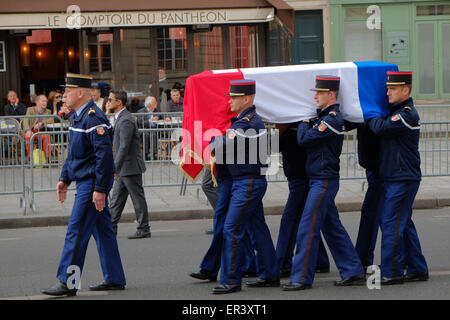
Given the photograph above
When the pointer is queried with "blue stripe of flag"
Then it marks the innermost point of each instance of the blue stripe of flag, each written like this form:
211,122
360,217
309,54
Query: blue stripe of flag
372,87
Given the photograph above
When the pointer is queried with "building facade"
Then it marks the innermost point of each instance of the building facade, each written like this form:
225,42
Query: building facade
126,44
412,34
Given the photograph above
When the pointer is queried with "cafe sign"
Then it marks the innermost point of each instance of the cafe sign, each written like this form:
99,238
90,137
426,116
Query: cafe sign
75,18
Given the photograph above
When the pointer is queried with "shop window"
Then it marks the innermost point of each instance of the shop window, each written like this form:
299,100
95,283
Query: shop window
172,46
436,10
356,13
2,56
208,50
278,40
99,52
243,47
361,43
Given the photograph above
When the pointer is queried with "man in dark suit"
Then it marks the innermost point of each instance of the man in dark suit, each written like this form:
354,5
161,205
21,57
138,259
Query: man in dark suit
149,121
14,107
129,166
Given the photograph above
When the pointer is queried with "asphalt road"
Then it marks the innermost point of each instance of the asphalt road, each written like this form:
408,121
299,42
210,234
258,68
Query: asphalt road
158,268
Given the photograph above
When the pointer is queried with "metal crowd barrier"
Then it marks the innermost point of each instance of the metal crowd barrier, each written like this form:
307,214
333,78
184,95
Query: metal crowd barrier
160,140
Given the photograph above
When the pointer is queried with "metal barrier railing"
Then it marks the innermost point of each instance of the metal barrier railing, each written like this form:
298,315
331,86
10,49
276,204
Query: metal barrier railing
12,169
21,174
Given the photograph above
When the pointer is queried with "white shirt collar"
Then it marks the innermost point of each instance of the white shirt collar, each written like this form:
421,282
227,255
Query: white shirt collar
117,114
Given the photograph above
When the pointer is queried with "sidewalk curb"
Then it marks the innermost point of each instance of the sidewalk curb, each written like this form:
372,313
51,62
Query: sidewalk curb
52,221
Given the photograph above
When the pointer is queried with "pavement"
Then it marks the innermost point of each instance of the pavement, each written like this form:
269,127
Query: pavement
166,203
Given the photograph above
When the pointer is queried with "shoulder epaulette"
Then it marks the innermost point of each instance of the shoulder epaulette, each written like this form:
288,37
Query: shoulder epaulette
91,111
407,108
333,113
248,116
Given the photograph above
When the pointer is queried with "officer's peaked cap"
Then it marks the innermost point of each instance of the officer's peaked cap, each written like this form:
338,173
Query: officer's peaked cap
398,78
325,83
242,87
74,80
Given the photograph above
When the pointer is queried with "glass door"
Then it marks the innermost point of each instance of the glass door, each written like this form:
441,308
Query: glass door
444,28
427,60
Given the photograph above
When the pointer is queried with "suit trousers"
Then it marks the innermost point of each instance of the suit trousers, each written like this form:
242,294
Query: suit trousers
400,243
211,260
298,191
370,218
85,221
246,212
131,185
320,214
208,188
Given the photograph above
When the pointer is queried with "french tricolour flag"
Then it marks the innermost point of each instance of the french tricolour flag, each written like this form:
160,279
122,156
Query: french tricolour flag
283,95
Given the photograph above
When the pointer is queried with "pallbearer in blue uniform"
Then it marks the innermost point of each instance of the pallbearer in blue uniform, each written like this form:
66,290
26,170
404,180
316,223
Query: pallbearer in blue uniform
90,163
210,264
294,161
400,163
246,165
323,143
369,159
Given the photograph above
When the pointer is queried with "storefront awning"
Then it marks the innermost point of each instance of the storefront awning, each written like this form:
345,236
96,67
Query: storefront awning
118,13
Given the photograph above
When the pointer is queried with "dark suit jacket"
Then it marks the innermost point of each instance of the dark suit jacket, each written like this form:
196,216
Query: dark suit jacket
128,158
21,110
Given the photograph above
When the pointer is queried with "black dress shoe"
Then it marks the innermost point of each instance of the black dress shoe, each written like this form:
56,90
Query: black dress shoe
226,288
285,273
352,281
59,289
204,275
295,286
209,231
140,234
323,270
259,283
107,286
249,274
423,276
389,281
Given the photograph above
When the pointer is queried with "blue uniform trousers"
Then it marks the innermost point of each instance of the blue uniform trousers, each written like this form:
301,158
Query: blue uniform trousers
246,212
399,242
298,191
370,218
85,221
211,260
320,213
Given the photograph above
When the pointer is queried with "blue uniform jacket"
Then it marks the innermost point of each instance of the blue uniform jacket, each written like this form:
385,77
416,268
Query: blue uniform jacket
323,143
399,145
294,157
241,148
90,149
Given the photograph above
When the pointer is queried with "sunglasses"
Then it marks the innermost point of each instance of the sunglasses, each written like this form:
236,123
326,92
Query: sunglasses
58,97
111,99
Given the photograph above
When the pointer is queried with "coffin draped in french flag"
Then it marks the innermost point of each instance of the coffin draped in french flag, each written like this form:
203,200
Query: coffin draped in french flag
283,95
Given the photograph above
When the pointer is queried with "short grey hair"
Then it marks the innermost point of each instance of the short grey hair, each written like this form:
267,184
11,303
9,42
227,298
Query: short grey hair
150,100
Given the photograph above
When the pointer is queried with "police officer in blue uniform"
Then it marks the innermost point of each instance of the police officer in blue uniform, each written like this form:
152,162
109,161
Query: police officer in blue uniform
294,161
400,163
246,164
210,264
323,143
90,164
369,159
